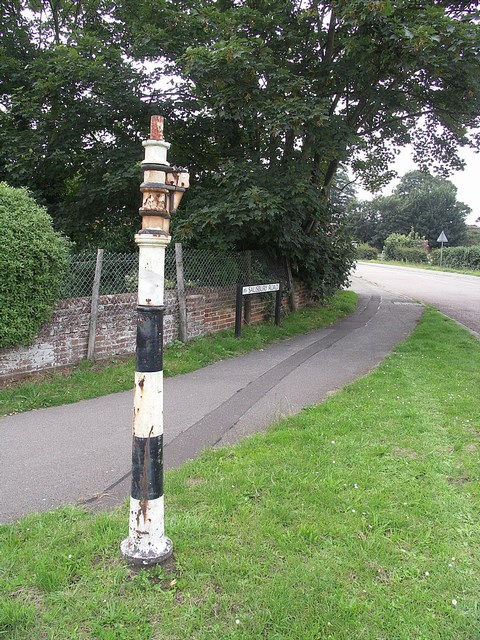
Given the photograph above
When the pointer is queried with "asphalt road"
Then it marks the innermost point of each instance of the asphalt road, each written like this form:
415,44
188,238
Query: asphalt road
455,295
81,453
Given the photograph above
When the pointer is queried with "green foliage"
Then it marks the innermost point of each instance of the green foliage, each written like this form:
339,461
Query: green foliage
287,92
250,207
430,204
331,263
458,257
411,254
72,120
396,243
278,78
204,269
365,251
421,200
290,90
473,235
364,222
119,274
33,260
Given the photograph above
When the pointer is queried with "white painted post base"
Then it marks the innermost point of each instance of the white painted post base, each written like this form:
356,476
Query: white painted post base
146,545
136,555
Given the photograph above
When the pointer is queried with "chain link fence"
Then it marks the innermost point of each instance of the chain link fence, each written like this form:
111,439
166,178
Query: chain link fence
119,271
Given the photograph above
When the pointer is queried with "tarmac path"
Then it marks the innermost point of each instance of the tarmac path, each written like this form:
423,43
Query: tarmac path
81,453
454,294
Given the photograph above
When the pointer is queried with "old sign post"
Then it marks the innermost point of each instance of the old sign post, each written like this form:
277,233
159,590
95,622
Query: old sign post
162,190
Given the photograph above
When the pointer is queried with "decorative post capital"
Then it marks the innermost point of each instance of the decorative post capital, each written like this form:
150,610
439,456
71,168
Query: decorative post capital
163,186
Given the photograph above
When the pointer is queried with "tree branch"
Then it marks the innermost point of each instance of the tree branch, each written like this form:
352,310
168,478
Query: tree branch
328,51
289,144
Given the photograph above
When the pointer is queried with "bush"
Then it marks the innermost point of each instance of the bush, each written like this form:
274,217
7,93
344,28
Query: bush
458,257
472,257
411,254
366,252
33,259
473,236
397,242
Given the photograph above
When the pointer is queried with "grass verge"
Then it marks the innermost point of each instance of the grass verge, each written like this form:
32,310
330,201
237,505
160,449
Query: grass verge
357,518
92,380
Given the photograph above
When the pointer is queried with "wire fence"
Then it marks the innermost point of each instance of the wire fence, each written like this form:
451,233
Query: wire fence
119,271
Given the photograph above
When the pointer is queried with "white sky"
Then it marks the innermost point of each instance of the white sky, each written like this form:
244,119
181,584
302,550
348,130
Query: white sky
466,181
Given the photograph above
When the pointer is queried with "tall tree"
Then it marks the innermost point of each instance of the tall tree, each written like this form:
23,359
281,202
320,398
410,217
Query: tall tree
273,97
72,111
372,221
430,205
421,201
287,90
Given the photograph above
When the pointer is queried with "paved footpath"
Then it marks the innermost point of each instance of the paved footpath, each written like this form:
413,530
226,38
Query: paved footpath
80,453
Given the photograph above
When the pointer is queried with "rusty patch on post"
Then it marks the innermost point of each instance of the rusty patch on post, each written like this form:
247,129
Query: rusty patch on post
156,128
143,510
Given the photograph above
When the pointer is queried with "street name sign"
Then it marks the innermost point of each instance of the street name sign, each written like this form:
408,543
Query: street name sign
261,288
272,287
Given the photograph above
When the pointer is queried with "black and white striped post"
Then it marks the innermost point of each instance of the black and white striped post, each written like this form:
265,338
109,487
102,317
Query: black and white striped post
162,191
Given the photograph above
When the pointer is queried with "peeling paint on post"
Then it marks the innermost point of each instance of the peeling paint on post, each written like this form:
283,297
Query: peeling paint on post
162,190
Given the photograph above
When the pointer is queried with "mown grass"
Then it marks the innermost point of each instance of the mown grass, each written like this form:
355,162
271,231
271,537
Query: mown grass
357,518
92,380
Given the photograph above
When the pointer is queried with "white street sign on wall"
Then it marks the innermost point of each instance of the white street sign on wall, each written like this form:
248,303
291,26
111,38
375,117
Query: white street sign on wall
260,288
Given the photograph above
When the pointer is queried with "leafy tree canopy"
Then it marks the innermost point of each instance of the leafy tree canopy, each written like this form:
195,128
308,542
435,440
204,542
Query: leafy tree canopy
323,82
421,201
283,92
270,99
72,109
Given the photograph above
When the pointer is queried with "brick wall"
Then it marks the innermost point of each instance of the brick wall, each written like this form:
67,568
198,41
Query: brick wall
63,341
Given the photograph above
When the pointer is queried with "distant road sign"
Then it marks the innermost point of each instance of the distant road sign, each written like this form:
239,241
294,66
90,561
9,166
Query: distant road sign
442,238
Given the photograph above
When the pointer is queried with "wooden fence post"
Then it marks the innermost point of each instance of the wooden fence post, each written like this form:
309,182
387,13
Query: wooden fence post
248,280
92,330
182,301
291,286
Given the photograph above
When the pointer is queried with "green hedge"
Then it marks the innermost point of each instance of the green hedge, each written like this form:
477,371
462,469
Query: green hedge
411,254
33,259
458,257
366,252
397,243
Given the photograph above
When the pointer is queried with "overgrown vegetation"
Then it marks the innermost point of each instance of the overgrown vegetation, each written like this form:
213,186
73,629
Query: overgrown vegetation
473,234
33,258
266,101
248,206
365,251
356,519
413,249
405,248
